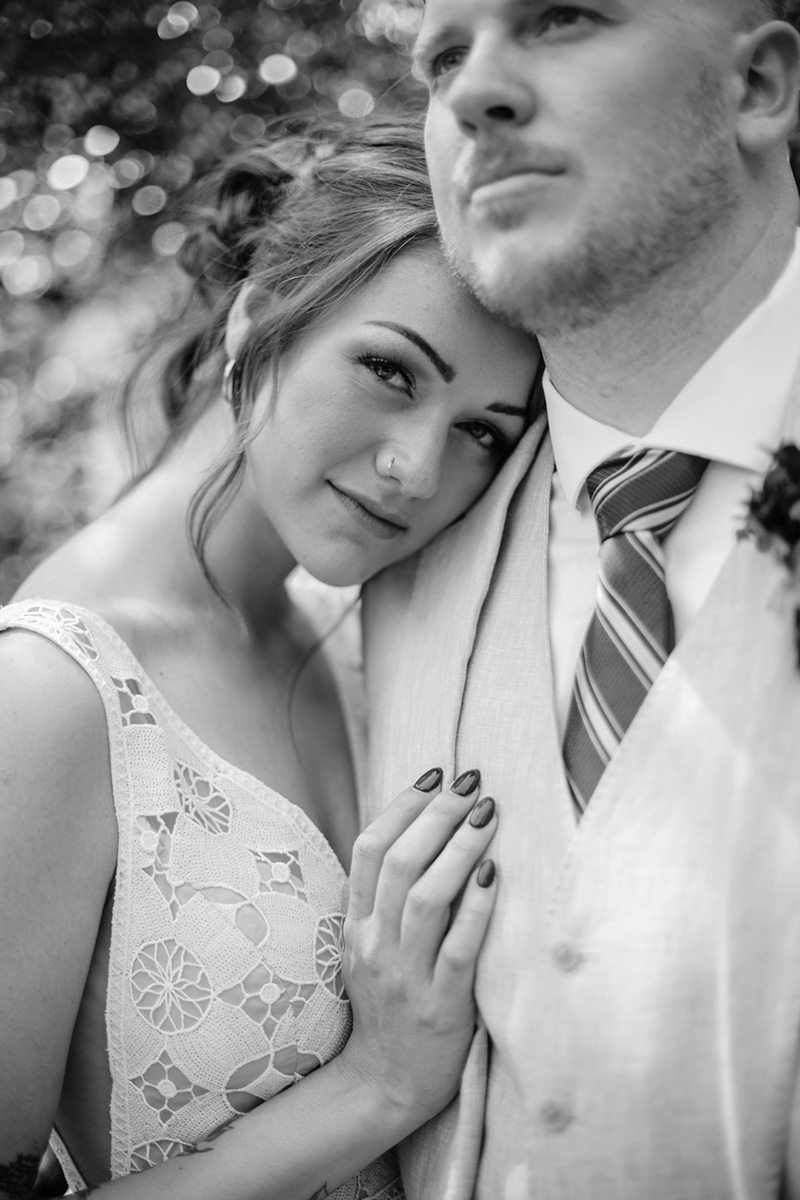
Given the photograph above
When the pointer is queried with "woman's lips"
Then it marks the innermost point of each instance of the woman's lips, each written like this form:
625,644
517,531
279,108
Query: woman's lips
369,518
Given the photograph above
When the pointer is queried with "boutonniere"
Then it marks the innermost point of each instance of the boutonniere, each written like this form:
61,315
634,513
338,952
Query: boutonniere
773,522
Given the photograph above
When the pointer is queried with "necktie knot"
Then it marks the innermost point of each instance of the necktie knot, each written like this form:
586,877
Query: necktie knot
643,490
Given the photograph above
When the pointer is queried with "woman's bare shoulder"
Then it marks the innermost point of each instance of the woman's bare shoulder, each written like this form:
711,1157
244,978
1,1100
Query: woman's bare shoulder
57,858
54,760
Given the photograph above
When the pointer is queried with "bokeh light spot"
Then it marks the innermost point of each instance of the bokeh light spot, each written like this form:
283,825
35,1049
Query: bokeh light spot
8,192
58,136
202,80
26,181
303,43
56,378
41,212
233,87
356,102
27,276
128,171
100,140
149,200
178,21
184,11
277,69
12,245
172,27
220,60
71,248
68,171
247,128
169,238
217,39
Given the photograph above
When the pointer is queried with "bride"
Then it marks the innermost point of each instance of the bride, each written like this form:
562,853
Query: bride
179,753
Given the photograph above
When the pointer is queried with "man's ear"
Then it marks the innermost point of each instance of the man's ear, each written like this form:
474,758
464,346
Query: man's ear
238,321
768,65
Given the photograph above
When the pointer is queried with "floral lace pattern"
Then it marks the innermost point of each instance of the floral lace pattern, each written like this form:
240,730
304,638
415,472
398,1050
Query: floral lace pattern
225,981
170,989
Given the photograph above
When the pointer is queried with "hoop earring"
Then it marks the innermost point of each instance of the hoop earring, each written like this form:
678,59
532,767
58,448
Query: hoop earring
227,383
384,465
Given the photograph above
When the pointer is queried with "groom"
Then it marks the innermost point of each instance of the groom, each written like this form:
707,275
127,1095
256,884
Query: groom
614,176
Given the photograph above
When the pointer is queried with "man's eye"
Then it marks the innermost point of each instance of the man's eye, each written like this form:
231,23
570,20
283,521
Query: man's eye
565,18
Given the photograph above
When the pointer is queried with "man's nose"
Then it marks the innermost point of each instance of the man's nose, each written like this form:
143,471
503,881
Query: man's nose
489,90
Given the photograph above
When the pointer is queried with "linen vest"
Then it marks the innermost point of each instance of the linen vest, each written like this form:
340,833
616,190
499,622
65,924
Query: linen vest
640,981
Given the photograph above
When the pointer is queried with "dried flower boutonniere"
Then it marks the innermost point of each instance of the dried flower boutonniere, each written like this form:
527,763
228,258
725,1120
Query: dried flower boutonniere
773,521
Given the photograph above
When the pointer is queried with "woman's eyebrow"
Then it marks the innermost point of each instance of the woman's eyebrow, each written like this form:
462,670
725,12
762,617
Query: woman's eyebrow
431,38
447,372
511,410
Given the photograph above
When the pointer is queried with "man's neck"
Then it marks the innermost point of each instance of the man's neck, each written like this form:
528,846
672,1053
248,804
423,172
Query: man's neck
628,368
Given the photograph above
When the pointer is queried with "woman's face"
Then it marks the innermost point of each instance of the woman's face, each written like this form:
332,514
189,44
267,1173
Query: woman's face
410,368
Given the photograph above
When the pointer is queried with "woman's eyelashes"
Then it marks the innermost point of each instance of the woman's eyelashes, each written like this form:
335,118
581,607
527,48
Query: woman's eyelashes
389,372
444,62
487,437
399,378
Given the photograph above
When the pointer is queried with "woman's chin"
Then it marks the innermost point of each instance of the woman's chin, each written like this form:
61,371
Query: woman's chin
342,572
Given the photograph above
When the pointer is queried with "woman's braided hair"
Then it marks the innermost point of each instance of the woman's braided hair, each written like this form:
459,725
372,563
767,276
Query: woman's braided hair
788,10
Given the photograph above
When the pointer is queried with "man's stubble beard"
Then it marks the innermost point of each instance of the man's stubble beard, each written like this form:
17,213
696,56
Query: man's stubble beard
662,216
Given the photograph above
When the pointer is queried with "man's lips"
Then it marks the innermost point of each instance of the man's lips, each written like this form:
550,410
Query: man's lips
384,522
486,174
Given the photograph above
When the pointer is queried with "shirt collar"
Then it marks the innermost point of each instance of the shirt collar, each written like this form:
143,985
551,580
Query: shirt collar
731,411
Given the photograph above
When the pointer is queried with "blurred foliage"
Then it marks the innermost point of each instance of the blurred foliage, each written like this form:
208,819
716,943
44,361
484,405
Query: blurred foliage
107,111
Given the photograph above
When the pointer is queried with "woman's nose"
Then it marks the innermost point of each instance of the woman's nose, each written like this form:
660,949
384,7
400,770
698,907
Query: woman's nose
416,462
490,90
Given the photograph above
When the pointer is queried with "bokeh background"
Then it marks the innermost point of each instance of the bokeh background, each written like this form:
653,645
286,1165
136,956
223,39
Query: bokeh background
108,110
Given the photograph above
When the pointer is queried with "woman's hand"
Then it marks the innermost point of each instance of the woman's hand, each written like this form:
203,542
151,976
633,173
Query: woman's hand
409,968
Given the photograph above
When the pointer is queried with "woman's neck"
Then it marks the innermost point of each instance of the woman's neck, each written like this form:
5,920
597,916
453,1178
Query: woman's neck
138,557
243,554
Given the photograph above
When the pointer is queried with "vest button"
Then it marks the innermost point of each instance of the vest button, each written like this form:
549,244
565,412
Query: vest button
567,957
555,1117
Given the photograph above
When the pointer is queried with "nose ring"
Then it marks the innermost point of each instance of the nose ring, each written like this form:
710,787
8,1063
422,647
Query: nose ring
385,467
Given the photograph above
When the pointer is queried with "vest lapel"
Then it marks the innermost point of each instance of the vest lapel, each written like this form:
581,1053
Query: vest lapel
420,627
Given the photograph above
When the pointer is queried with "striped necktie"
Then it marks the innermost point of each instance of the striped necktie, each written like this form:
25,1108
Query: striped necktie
637,499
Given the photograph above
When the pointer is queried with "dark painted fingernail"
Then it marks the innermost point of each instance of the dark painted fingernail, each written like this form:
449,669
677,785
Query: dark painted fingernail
430,780
465,784
486,874
482,813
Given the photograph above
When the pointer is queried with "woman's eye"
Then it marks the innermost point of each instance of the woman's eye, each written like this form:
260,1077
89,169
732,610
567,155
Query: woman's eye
446,61
388,372
486,436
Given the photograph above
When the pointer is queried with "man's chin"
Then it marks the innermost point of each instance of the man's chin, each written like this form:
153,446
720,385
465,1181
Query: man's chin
535,280
503,272
499,260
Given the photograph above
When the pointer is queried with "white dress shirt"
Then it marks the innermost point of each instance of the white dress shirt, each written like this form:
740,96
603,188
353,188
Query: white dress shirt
732,413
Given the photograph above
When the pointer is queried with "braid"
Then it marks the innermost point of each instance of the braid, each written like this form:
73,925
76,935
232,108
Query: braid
784,10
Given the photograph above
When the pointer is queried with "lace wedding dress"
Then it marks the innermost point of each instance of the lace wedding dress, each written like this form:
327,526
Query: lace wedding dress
225,980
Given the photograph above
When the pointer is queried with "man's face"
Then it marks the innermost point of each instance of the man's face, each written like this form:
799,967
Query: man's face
578,151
